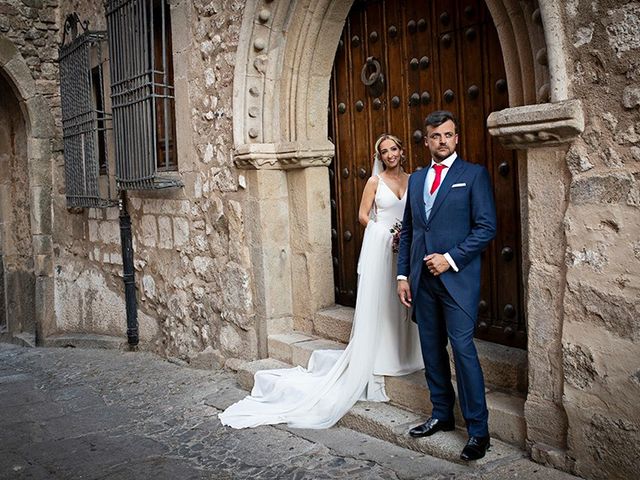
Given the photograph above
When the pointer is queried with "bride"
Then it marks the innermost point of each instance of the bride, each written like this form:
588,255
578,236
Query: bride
383,340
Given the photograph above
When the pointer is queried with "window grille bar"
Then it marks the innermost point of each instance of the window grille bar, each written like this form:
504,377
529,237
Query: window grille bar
82,122
140,82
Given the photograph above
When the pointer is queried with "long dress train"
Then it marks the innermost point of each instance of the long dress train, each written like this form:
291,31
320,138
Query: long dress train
384,341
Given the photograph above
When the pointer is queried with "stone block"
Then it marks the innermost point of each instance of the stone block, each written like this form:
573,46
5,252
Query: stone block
506,418
8,50
279,324
301,352
277,281
40,210
92,227
41,244
280,346
334,323
81,340
410,392
612,188
274,222
503,367
247,370
602,308
165,236
546,422
20,74
541,125
392,424
603,444
45,316
180,231
208,359
313,288
631,96
148,231
19,291
40,118
43,265
268,184
109,232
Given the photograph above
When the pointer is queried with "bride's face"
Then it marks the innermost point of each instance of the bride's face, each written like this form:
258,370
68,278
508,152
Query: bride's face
390,153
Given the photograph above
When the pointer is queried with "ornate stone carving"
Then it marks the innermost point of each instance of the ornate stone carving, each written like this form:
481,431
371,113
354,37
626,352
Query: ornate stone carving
543,125
283,156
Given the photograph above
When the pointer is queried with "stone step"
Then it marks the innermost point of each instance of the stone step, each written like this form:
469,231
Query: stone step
296,348
504,367
392,423
334,323
506,411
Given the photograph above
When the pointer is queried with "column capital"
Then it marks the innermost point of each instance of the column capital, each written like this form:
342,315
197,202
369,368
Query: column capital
284,156
534,126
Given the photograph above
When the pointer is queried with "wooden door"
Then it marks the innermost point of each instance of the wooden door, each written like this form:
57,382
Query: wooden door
397,61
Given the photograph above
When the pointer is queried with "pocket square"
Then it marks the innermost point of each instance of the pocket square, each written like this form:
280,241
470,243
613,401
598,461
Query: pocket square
456,185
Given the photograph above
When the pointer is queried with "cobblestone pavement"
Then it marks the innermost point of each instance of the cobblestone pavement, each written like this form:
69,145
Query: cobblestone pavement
106,414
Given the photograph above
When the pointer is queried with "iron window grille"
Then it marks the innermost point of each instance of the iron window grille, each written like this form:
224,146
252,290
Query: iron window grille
142,93
84,119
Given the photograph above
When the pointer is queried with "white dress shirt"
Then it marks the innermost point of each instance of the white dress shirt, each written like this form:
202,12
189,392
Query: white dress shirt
431,176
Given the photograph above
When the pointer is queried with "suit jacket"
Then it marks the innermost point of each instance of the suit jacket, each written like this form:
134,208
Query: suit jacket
462,222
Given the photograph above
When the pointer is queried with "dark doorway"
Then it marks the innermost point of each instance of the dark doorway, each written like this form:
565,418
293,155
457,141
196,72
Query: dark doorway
398,60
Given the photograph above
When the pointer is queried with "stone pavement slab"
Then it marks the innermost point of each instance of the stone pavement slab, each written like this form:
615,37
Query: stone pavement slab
71,413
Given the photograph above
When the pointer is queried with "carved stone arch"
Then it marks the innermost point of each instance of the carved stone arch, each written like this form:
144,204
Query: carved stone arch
285,56
39,125
281,82
531,38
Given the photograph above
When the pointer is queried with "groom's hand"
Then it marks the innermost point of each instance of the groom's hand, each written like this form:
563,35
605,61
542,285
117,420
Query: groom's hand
404,292
436,263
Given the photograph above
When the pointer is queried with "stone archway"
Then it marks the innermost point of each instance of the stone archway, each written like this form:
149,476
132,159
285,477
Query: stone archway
282,75
39,134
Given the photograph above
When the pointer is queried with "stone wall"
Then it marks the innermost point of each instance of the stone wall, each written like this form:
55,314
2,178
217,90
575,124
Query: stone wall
191,256
192,262
199,291
601,334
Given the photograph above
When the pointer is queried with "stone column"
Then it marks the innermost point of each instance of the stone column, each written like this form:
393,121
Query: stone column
290,237
40,177
309,201
270,244
547,186
543,133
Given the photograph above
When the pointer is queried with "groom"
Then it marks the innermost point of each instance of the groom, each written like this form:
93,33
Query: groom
449,219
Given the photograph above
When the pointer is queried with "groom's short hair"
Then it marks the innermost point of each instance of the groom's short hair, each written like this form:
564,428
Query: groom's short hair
438,117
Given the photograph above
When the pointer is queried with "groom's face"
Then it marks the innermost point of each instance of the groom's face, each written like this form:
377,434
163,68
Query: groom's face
441,140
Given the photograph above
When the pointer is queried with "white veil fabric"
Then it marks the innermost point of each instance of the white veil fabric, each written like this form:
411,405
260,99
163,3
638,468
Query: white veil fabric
377,165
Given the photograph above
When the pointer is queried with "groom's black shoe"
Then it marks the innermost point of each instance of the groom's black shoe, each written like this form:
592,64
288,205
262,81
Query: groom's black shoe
475,448
432,426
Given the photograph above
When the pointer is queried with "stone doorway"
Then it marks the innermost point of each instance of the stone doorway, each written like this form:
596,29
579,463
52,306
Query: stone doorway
17,278
281,86
26,146
425,56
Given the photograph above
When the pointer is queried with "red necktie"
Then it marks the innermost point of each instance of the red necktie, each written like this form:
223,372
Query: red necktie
436,181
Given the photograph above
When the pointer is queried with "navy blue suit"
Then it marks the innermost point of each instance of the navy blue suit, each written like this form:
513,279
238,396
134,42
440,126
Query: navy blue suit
462,222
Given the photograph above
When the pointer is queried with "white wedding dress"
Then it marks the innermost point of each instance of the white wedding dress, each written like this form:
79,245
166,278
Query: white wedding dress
384,341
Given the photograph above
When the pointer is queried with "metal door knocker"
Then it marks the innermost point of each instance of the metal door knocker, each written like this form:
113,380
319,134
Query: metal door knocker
371,75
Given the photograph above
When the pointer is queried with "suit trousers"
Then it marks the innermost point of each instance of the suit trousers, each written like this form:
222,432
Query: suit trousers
440,319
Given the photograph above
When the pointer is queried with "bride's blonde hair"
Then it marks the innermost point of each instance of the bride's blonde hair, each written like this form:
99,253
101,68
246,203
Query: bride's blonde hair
382,138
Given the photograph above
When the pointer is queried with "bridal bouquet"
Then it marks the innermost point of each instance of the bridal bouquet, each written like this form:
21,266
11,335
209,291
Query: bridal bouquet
395,236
